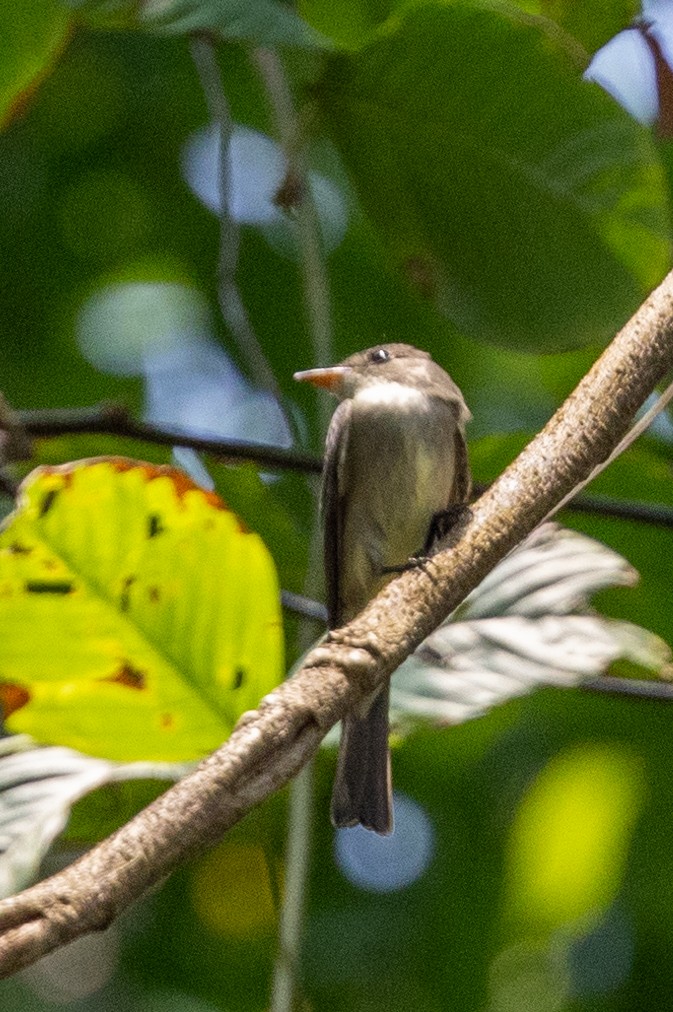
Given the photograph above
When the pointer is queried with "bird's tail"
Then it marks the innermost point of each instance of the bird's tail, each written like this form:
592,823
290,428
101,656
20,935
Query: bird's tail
362,785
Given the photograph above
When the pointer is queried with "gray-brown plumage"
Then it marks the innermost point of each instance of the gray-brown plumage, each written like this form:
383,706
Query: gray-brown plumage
395,458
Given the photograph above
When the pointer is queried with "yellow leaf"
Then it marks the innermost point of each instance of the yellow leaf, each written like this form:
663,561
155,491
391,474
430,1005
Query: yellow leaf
139,618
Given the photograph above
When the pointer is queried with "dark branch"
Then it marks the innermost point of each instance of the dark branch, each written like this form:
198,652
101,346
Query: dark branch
304,606
654,514
633,687
115,420
604,684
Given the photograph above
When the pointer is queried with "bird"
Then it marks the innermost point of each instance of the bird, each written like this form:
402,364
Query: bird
395,472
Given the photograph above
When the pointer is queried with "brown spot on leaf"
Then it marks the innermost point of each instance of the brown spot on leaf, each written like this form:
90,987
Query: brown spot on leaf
154,525
127,676
167,720
154,594
125,598
50,587
12,698
239,677
18,549
181,483
47,502
64,471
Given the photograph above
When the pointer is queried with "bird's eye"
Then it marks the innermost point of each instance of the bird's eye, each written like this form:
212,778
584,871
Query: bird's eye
379,355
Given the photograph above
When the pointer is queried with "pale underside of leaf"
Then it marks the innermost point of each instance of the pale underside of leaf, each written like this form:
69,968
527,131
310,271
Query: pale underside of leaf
527,625
38,787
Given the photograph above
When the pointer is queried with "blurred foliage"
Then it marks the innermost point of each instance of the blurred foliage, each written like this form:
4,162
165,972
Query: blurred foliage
481,199
492,197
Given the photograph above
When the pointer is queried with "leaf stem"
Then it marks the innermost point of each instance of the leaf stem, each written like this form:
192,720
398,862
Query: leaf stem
297,183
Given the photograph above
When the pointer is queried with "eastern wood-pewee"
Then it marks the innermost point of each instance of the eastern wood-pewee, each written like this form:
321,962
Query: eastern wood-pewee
395,460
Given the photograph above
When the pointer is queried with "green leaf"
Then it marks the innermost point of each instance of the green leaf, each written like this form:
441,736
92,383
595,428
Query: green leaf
33,33
592,22
256,503
348,23
521,200
263,22
139,618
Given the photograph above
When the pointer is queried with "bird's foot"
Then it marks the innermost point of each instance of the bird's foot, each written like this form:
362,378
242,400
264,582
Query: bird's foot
443,523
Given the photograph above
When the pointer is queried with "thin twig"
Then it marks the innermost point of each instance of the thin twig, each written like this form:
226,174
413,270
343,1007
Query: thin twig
654,514
634,687
232,307
293,142
115,420
315,288
306,607
297,866
636,430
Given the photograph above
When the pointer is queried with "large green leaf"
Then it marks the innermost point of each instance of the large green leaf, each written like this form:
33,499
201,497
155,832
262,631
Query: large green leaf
592,22
139,617
32,36
263,22
350,24
524,202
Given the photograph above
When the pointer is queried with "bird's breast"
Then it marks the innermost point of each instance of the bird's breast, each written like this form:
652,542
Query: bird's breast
396,471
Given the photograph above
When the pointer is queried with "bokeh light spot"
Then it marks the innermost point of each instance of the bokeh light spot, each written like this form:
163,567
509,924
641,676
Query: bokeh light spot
76,971
120,325
232,892
385,864
624,67
570,836
258,167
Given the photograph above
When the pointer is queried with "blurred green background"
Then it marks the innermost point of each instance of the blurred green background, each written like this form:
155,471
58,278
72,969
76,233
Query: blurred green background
479,200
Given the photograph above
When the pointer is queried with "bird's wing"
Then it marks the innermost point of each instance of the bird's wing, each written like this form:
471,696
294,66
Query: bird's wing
462,482
332,505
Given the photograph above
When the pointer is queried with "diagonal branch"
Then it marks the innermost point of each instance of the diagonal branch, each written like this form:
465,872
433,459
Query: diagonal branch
271,744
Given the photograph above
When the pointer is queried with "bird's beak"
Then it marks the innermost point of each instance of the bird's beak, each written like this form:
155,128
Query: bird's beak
330,377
